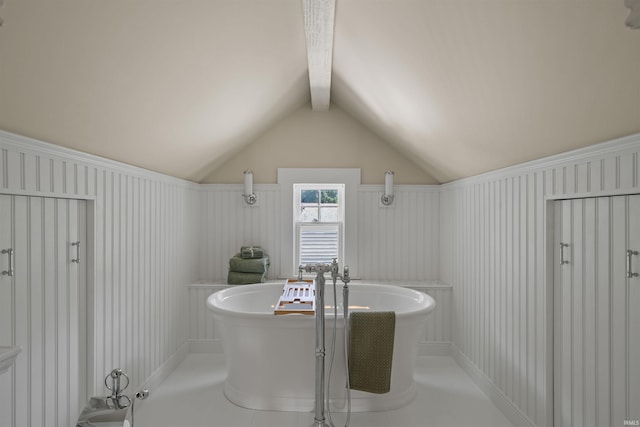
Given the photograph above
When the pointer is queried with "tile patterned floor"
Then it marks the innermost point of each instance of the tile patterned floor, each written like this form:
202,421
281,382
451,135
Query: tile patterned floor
192,397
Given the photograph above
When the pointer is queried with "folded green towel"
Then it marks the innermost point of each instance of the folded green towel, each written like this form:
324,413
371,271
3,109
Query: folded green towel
241,265
250,252
235,278
371,335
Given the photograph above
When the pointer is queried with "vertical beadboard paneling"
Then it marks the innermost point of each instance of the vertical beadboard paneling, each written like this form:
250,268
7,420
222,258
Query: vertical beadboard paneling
46,381
438,327
8,315
227,224
594,335
494,226
201,324
465,218
144,233
394,243
24,287
399,242
602,313
14,170
146,243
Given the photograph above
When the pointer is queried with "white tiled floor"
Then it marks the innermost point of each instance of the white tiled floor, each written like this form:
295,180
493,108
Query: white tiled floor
192,397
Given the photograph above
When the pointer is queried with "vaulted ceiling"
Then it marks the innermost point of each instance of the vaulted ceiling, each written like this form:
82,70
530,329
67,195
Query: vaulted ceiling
459,86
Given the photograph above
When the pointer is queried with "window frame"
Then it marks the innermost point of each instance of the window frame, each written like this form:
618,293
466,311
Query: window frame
350,177
298,188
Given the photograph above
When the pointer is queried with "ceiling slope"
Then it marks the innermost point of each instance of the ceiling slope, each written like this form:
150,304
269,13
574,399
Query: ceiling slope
181,86
171,86
471,86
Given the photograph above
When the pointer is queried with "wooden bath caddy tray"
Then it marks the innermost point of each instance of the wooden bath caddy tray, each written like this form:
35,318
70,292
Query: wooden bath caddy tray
297,297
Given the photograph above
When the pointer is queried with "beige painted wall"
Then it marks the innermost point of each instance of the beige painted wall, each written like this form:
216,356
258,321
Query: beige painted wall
308,139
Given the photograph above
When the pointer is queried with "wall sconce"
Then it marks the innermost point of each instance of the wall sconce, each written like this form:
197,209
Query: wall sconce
387,197
633,21
249,196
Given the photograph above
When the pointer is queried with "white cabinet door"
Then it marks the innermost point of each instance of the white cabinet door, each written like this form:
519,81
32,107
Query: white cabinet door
625,339
6,311
633,311
43,310
596,312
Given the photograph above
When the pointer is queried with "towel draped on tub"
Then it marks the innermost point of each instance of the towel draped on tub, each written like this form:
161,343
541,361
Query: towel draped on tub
371,336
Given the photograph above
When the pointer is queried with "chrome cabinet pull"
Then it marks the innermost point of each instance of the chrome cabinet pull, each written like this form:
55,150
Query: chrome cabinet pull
562,260
630,274
10,253
77,258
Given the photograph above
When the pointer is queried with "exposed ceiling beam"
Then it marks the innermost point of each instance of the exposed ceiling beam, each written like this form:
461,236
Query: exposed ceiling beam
319,16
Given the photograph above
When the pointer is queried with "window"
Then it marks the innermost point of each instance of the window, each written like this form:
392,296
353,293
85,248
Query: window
319,222
349,180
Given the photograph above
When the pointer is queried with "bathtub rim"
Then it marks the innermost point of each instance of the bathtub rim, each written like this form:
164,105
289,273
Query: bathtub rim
424,302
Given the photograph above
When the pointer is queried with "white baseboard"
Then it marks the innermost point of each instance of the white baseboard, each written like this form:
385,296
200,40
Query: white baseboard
205,346
159,376
434,349
506,406
167,367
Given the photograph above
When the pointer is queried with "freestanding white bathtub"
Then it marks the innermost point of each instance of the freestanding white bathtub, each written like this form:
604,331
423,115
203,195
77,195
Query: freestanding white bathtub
270,359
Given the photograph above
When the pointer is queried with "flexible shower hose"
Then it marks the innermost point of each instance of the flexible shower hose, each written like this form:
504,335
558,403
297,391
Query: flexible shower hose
345,304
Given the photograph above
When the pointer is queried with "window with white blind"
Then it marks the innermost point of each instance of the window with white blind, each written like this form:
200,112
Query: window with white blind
319,222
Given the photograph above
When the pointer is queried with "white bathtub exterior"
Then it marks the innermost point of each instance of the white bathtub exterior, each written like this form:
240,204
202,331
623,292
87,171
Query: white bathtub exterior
270,359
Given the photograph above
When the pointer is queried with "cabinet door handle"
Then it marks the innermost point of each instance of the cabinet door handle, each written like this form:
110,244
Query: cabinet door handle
10,253
562,260
77,258
630,274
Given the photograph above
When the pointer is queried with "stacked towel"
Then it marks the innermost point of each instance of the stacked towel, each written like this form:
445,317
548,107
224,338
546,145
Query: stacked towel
238,278
251,252
371,336
253,265
252,269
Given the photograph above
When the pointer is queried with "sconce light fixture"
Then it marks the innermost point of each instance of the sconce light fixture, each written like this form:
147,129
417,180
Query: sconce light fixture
249,196
387,197
633,20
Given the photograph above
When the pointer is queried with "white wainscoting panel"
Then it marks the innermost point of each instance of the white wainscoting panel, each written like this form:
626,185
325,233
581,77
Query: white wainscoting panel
201,323
144,228
43,310
227,224
486,236
438,327
399,242
145,253
493,240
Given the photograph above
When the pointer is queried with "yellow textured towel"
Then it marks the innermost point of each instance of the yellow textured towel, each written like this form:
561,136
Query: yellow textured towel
371,338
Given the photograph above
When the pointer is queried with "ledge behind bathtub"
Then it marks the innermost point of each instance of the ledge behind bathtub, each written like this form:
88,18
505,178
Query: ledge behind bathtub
414,284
